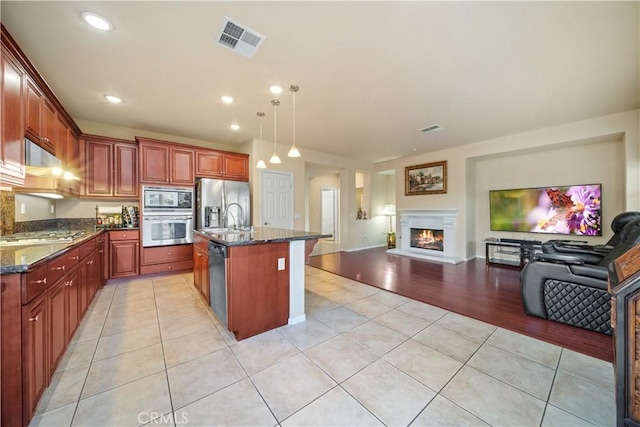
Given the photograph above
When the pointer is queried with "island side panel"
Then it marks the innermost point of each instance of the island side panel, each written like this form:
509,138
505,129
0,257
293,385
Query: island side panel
257,292
297,257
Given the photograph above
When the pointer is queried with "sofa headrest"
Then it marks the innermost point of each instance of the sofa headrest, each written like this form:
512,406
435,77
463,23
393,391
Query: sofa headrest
623,219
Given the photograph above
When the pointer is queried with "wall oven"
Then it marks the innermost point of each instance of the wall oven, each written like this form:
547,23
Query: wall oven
167,216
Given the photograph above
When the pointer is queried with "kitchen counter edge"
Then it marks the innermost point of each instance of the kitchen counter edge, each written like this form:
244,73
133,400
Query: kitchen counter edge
260,235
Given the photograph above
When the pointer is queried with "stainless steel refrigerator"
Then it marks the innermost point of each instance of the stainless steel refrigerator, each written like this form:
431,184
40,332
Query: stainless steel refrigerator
221,203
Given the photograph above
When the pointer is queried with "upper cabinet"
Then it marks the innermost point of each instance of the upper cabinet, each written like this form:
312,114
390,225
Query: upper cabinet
12,81
111,168
41,121
222,164
165,163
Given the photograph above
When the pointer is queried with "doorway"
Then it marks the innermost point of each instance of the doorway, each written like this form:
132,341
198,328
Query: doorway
277,199
329,213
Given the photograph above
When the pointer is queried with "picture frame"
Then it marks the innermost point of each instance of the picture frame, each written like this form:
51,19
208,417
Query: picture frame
427,178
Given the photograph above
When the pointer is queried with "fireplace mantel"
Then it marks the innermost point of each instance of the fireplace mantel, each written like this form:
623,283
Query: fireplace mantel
441,219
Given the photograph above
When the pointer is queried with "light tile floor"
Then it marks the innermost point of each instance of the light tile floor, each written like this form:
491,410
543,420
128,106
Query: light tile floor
150,352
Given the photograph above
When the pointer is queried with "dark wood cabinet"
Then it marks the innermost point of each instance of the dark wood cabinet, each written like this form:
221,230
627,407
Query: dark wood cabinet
201,266
12,102
58,309
40,118
162,259
219,164
165,163
73,302
111,168
36,369
123,253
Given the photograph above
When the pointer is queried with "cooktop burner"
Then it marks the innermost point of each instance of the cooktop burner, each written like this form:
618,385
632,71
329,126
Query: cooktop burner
41,237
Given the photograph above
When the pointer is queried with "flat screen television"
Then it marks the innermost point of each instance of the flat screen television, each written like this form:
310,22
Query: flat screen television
574,210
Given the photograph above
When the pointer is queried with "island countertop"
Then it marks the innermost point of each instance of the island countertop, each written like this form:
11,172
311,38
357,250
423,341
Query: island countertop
259,235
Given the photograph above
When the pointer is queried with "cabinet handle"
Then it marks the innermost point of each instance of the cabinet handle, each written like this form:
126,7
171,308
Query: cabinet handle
89,262
41,281
124,236
169,267
74,257
59,268
34,319
70,282
169,253
100,251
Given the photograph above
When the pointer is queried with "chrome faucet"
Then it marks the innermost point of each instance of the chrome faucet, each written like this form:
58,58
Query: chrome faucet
240,222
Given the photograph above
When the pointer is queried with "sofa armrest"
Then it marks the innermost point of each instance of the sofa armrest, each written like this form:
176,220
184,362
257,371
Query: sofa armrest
559,258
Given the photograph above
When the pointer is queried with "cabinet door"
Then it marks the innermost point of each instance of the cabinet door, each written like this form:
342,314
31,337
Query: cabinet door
236,167
124,258
62,143
99,169
181,161
208,164
204,277
154,164
58,322
12,122
33,110
73,303
126,170
49,135
36,372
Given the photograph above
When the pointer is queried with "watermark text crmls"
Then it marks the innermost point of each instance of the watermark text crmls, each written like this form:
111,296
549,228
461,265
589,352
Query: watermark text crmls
162,418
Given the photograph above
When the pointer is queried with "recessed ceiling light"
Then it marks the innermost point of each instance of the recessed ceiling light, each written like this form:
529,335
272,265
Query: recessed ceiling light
226,99
97,21
275,89
114,99
234,127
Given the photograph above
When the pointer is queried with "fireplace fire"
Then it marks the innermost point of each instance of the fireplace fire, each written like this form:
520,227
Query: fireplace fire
426,238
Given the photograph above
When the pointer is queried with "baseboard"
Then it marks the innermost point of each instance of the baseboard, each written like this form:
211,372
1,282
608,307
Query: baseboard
362,249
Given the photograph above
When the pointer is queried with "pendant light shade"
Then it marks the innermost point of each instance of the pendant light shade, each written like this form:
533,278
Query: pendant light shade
260,164
293,151
274,156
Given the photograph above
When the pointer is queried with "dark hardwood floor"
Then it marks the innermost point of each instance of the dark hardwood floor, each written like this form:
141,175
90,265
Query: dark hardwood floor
487,293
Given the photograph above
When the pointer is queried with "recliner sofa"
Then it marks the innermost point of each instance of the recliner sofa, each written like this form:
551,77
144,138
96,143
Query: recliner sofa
565,289
591,254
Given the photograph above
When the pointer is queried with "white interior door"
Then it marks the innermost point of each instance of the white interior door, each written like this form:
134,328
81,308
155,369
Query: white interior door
277,199
329,220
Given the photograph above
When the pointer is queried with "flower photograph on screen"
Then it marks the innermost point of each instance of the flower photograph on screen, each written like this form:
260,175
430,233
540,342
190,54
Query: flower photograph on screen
561,210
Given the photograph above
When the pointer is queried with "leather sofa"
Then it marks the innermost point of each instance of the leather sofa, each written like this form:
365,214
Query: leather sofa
566,289
591,254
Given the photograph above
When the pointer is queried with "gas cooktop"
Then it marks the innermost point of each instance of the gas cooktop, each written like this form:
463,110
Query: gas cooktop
41,237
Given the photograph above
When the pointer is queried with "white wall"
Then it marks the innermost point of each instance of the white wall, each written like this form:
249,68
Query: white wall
36,208
462,192
314,195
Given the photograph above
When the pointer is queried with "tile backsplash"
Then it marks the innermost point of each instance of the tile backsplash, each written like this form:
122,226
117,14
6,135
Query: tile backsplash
7,212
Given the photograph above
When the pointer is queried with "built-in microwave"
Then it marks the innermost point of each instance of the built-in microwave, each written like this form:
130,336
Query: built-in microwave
167,200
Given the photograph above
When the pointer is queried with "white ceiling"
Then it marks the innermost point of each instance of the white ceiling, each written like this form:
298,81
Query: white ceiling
371,74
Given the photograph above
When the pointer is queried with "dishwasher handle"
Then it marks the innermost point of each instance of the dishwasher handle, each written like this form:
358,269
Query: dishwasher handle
216,249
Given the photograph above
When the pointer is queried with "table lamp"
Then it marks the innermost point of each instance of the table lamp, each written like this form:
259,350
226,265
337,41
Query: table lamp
390,210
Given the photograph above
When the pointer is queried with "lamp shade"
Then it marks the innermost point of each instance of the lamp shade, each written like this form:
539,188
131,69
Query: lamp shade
389,209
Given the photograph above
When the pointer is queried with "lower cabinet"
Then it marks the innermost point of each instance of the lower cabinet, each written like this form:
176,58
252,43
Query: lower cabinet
36,368
40,311
163,259
201,266
123,253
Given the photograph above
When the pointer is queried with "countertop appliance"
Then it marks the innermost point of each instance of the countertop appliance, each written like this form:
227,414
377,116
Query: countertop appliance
167,216
218,280
222,203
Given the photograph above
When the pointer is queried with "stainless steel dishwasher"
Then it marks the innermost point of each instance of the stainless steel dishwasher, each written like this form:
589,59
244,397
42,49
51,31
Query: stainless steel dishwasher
218,280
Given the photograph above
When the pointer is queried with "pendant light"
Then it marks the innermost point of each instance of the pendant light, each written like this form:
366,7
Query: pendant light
293,152
274,157
261,164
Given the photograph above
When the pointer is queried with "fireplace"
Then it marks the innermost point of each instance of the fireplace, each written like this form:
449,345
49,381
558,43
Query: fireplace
427,238
428,234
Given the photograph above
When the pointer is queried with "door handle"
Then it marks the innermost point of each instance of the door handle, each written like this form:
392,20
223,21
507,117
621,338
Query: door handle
265,223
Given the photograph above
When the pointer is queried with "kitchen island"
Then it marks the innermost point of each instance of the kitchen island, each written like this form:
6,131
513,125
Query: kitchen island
255,279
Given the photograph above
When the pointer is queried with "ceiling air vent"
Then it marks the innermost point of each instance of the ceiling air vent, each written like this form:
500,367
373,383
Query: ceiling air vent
239,38
432,128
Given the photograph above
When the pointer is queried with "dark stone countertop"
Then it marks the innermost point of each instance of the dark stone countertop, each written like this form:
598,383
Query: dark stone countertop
19,259
259,236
